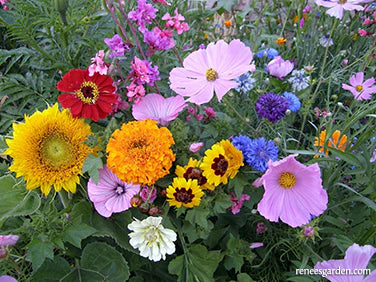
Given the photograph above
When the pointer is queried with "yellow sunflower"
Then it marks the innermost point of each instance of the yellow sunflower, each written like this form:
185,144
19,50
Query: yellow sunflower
234,156
184,192
334,142
48,150
193,171
140,152
215,165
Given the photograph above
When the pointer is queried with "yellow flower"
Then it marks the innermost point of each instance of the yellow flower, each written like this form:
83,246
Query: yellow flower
193,171
48,150
234,156
280,41
140,152
215,165
184,192
334,142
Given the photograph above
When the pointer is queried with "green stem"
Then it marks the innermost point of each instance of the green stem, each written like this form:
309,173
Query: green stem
15,265
63,195
228,104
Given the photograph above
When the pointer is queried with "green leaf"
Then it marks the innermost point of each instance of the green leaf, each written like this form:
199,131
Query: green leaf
244,277
221,203
38,251
77,232
198,216
199,265
105,260
347,157
51,270
91,166
15,200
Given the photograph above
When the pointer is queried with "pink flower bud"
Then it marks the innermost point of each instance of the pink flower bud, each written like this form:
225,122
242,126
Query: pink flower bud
195,147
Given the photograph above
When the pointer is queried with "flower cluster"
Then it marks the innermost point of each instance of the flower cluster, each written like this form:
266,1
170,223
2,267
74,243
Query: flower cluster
117,46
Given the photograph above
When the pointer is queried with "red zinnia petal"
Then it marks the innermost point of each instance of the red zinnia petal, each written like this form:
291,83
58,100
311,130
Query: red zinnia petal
67,100
76,109
104,106
109,98
71,81
86,111
94,113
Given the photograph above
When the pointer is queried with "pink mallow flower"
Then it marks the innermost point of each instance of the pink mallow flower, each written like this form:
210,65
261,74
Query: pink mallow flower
146,191
175,22
361,90
195,147
237,204
356,258
293,192
7,278
211,70
8,240
156,107
278,67
337,6
98,65
111,195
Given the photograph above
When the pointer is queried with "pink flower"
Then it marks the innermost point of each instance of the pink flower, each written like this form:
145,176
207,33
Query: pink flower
345,62
135,92
143,15
110,195
308,231
362,32
293,192
7,278
119,105
175,22
8,240
210,113
158,40
195,147
279,67
337,6
211,70
256,245
163,2
361,90
237,204
301,23
98,65
156,107
146,191
261,228
117,46
143,73
373,158
356,257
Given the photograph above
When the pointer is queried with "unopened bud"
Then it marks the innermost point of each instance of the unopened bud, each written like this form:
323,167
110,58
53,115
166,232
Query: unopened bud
153,210
136,201
144,207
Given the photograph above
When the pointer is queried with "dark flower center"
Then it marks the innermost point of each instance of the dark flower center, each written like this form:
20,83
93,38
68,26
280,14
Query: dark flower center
183,195
195,173
88,92
119,190
220,165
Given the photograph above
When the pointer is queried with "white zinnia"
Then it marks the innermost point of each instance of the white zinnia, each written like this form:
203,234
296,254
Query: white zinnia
151,238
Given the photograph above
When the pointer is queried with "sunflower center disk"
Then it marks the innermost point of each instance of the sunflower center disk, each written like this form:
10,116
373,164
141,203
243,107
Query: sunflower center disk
287,180
220,165
56,151
195,173
183,195
359,88
211,75
88,92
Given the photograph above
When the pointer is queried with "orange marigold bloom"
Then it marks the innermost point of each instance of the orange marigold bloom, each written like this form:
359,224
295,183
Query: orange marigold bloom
334,141
280,41
140,152
228,23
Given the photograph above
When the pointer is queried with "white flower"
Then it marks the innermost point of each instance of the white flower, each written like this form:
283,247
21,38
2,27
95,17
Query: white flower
151,238
298,80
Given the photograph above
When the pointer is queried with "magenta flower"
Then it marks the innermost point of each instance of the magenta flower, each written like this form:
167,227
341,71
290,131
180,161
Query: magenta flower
279,67
8,240
135,92
148,192
110,195
143,15
337,7
158,40
143,73
175,22
117,46
293,192
156,107
211,70
237,204
361,90
98,65
356,258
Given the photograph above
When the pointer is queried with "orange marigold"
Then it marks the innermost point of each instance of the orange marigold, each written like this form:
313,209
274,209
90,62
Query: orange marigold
334,142
140,152
280,41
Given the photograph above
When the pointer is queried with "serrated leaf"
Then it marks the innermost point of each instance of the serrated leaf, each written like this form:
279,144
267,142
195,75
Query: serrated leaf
198,215
38,251
221,203
75,233
91,165
51,270
105,260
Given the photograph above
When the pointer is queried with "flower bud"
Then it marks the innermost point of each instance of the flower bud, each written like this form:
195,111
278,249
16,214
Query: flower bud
136,201
144,207
153,210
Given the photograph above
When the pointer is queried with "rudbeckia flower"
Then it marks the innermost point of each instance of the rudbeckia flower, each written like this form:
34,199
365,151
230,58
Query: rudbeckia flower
361,90
211,70
182,192
87,96
193,171
293,192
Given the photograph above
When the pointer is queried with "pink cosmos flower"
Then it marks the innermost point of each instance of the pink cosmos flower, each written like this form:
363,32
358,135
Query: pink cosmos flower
356,257
256,245
337,6
146,191
156,107
293,192
278,67
98,65
211,70
8,240
237,204
110,195
361,90
195,147
7,278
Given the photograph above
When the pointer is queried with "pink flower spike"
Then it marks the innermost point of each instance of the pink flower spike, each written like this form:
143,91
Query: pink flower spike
110,195
98,64
156,107
256,245
8,240
195,147
361,90
337,6
211,70
279,67
356,257
293,192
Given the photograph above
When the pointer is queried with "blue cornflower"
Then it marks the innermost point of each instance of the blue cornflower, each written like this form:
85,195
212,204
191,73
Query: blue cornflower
272,107
294,102
241,142
298,80
259,152
245,82
269,52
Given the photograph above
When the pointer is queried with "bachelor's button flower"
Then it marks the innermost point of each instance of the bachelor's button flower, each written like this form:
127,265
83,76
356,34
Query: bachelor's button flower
299,80
293,101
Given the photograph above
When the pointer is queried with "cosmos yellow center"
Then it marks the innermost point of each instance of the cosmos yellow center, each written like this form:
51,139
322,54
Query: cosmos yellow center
287,180
359,88
56,151
88,92
211,75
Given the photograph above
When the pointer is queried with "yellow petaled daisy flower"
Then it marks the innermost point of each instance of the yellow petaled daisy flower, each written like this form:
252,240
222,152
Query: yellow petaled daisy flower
234,156
140,152
215,165
48,150
184,192
193,171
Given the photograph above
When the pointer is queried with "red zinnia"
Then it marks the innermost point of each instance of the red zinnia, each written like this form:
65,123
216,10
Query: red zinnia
87,96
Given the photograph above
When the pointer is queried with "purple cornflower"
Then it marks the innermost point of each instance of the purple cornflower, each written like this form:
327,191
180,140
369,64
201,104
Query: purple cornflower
272,107
117,46
144,14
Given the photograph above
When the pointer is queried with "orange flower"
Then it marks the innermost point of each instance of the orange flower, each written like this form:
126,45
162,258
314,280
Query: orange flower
334,142
228,23
295,19
280,41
